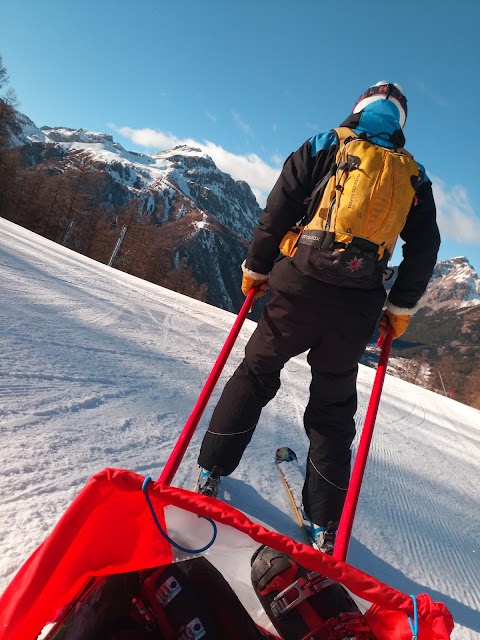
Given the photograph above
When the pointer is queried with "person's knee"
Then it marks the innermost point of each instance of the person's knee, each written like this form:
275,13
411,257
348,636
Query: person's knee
266,383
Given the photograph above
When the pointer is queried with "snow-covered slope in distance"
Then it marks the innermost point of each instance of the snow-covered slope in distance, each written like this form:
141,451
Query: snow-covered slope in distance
102,369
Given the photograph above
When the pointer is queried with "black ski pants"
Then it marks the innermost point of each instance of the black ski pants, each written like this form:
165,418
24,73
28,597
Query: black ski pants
335,335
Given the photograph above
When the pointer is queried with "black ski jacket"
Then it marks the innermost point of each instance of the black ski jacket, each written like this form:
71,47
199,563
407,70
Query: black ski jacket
286,206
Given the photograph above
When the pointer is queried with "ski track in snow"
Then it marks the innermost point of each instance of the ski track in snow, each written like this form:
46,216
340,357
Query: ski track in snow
100,369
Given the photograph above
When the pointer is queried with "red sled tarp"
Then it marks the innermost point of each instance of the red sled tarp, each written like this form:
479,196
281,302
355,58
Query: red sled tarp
109,529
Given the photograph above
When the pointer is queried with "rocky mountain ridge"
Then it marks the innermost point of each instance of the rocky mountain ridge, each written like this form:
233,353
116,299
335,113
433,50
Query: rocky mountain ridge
454,285
441,349
209,216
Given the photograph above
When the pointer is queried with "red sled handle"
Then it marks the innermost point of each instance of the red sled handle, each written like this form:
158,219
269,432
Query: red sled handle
183,441
348,514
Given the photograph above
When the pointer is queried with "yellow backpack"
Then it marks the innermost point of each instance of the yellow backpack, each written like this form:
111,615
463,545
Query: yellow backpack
365,201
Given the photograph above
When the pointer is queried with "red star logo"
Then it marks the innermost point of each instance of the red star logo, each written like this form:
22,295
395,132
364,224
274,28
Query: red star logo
355,264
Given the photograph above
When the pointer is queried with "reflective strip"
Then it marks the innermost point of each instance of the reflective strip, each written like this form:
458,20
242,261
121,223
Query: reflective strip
238,433
326,479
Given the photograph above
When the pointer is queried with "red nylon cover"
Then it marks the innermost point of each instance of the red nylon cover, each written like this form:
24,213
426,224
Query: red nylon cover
109,529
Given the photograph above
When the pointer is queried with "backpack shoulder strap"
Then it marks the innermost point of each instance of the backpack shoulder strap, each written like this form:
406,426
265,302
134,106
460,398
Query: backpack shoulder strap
343,133
404,152
419,179
321,184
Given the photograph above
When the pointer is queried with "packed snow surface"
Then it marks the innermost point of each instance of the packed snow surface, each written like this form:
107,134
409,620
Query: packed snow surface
101,369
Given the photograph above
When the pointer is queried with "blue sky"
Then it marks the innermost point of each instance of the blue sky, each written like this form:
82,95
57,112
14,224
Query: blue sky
250,81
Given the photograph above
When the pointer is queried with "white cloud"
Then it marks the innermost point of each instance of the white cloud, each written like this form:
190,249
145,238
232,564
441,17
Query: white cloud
210,116
243,126
435,97
278,160
456,216
249,167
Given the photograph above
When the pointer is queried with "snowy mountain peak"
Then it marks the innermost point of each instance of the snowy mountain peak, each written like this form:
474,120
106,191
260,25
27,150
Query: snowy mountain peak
65,134
185,157
454,284
459,268
24,131
185,149
211,215
182,176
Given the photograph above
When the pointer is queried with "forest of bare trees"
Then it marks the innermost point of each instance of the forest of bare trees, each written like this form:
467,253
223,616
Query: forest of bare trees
65,202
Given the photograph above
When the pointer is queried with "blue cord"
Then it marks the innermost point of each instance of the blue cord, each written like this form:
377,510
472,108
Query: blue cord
414,623
165,535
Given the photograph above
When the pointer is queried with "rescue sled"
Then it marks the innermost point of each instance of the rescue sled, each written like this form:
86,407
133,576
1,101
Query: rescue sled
109,530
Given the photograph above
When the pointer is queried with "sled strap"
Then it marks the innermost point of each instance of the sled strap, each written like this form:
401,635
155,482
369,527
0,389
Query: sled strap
165,534
414,622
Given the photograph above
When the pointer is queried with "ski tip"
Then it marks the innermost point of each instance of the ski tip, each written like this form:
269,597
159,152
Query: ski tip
285,454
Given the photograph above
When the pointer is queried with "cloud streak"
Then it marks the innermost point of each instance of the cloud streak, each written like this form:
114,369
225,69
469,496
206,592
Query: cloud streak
211,116
434,97
243,126
456,216
249,167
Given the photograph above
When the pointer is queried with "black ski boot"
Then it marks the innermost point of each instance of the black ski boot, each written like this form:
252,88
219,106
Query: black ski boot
326,539
303,604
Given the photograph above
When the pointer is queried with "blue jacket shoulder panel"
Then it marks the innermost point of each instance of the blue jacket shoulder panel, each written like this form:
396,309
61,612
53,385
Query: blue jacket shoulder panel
322,141
424,173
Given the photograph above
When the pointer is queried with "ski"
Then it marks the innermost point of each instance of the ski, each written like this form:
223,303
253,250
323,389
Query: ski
293,480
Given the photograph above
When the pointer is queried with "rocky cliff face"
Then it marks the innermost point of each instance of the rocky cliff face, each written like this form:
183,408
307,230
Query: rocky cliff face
210,215
454,285
441,349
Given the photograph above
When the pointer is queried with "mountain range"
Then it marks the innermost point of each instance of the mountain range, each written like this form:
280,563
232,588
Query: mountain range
208,215
205,219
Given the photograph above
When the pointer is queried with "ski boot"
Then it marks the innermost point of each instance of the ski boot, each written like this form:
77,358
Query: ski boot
209,481
321,538
325,539
303,604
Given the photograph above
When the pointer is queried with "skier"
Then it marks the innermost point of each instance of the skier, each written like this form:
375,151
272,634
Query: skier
326,298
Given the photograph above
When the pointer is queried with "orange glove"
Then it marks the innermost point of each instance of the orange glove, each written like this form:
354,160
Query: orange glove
399,323
252,279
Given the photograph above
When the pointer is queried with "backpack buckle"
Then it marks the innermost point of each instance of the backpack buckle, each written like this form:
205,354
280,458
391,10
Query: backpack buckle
298,592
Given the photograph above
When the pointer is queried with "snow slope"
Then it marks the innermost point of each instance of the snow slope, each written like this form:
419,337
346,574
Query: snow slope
102,369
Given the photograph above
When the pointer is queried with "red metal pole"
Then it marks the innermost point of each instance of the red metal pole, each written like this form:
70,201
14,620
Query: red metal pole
348,514
183,441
